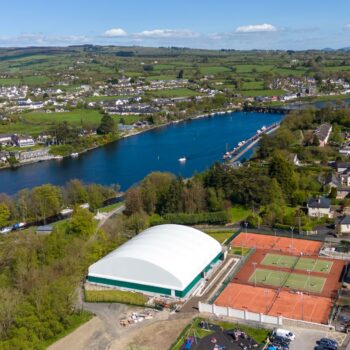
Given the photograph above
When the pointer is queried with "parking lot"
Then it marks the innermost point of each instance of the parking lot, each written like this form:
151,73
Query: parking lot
305,339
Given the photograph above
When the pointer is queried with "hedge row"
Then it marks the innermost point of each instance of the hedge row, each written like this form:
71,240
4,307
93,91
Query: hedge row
215,218
115,296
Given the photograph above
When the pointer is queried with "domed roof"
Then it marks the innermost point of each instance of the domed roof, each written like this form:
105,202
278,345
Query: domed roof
168,256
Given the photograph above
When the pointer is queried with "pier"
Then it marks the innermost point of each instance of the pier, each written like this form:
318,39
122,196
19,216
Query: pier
246,145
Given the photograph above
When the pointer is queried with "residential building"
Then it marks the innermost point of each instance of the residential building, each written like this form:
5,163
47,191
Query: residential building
5,139
343,225
319,207
23,140
323,132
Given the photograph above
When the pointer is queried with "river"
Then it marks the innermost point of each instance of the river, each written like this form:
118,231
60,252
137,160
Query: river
202,141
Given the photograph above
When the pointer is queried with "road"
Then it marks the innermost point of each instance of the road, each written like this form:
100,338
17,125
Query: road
108,215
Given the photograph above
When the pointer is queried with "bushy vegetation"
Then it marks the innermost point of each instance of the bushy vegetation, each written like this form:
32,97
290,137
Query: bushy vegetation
115,296
45,201
40,277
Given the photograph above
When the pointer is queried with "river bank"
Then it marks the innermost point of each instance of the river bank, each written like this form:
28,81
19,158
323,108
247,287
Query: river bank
202,141
122,136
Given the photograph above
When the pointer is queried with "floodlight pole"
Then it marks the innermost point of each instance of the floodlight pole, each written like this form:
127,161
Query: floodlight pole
308,282
292,229
302,306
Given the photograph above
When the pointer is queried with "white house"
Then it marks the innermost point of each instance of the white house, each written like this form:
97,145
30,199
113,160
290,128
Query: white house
343,225
23,140
319,207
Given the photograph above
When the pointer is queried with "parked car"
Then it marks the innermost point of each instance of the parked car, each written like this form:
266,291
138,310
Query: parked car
328,343
5,230
326,347
284,333
19,225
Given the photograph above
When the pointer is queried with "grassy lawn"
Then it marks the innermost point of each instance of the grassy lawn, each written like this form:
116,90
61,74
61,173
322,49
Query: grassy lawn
115,296
248,68
214,69
193,329
109,208
127,119
253,85
10,81
182,92
239,213
221,237
239,251
73,117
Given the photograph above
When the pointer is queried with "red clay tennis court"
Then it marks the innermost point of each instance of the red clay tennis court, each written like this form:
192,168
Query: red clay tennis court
294,246
244,297
302,307
269,301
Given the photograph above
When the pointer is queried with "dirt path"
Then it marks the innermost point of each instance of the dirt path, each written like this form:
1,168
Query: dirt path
157,336
104,332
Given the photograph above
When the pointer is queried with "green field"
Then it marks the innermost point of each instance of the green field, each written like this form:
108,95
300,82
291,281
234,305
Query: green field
314,265
294,280
214,70
74,117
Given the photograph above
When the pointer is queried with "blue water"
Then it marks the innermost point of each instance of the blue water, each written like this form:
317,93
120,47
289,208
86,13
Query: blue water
201,141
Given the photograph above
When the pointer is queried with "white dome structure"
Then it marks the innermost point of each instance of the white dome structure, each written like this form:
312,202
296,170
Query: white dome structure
165,259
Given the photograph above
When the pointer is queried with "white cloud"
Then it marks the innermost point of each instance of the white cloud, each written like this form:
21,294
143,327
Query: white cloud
167,33
115,32
254,28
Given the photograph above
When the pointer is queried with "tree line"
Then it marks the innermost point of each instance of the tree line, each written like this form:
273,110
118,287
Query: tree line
42,202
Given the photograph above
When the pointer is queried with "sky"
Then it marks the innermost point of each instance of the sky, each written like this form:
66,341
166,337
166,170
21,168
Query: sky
212,24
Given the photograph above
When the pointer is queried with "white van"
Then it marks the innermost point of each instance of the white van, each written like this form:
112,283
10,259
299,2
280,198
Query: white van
284,333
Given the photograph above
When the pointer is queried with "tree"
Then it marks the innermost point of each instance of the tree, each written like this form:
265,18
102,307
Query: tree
107,125
4,214
180,74
46,201
75,192
283,172
81,223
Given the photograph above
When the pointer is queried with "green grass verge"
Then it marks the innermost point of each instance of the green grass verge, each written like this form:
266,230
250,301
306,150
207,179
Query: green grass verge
239,251
115,296
221,237
239,213
109,208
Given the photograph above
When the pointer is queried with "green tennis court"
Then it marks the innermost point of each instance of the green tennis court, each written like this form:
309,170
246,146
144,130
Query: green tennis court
278,260
314,265
298,263
269,277
312,284
290,280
